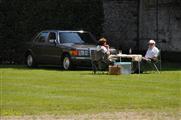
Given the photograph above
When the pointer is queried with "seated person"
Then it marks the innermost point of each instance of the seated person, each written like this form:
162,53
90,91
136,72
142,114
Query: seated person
152,52
103,46
150,56
102,54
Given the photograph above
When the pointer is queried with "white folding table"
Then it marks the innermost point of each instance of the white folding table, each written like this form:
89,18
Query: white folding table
134,57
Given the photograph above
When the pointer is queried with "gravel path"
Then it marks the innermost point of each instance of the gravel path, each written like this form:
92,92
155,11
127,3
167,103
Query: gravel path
103,116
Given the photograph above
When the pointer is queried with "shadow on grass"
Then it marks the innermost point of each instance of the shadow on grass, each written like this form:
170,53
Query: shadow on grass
165,67
45,67
13,66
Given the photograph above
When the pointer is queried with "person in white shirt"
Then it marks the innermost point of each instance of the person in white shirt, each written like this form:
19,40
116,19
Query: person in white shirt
103,46
150,56
152,52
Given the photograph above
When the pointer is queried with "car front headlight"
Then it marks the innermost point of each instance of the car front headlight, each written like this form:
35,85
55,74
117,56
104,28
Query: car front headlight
79,53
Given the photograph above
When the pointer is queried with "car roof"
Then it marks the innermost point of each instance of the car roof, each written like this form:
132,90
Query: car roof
79,31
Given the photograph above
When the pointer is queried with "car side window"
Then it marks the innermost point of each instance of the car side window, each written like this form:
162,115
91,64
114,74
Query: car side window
52,36
41,38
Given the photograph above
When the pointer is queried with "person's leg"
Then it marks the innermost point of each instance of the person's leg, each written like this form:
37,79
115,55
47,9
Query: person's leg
134,66
140,66
143,65
94,66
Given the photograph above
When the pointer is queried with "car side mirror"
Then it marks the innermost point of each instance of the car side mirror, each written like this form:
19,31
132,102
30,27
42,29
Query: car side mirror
52,41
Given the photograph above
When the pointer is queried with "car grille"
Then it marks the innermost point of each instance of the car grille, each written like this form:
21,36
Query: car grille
92,52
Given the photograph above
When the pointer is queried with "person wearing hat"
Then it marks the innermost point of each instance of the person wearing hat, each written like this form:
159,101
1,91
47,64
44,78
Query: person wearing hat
152,52
150,56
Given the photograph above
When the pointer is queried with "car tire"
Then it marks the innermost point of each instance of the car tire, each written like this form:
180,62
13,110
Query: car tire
66,62
30,61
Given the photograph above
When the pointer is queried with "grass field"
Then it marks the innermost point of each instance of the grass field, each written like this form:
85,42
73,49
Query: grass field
47,91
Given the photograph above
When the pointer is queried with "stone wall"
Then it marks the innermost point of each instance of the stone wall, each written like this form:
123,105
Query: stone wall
161,20
120,25
131,23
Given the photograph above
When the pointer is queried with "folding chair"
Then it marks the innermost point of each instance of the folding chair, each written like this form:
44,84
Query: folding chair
157,63
97,61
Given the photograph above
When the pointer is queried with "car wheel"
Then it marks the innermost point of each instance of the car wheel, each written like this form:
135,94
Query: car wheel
66,63
30,62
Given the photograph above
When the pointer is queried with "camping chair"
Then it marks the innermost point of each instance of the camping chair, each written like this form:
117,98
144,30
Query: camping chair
98,62
156,64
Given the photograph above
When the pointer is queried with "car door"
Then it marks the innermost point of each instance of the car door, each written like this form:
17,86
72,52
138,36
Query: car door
52,50
39,46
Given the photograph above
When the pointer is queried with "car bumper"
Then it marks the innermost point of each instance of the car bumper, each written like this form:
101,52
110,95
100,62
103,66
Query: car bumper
81,61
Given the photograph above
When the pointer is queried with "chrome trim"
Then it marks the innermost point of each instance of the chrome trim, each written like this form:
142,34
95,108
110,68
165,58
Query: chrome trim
81,58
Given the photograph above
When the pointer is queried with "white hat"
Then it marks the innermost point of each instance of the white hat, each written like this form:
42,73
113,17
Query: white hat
151,42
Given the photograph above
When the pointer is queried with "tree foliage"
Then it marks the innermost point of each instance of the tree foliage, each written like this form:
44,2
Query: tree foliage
20,20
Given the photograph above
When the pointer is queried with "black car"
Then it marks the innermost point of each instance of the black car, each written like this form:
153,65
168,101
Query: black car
67,49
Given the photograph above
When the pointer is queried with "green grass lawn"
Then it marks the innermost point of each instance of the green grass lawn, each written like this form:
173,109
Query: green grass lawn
51,91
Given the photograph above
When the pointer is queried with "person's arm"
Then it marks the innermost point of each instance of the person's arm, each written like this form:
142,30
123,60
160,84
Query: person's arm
108,50
146,58
156,53
105,50
154,59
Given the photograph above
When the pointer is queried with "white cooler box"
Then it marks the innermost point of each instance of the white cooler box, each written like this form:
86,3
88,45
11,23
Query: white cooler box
125,67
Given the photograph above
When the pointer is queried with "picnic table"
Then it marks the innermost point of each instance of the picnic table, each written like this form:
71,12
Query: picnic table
134,57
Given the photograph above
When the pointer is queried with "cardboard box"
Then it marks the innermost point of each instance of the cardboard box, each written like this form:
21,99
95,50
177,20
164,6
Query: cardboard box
114,70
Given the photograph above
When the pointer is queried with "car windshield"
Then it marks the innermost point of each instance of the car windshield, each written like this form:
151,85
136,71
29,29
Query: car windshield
76,37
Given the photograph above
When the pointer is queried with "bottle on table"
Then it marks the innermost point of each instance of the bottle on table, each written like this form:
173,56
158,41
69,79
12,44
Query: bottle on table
120,51
130,51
